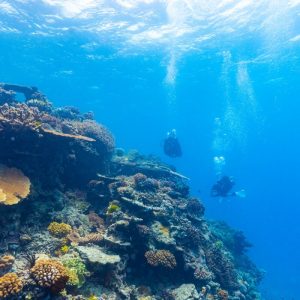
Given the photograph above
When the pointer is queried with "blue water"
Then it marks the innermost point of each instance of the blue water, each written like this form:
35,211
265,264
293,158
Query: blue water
225,74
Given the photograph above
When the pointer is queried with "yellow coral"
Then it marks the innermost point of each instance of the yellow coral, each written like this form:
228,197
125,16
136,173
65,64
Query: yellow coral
14,185
112,208
49,273
64,249
59,229
164,230
73,277
10,284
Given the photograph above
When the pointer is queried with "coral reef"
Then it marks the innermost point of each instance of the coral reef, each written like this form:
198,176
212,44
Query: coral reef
99,224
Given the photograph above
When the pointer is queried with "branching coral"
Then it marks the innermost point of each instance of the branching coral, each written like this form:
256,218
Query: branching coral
75,238
10,284
59,229
163,258
14,185
143,183
222,267
20,115
203,274
49,273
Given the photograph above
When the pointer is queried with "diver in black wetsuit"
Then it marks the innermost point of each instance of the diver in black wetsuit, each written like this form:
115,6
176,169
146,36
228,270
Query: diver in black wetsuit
223,187
172,146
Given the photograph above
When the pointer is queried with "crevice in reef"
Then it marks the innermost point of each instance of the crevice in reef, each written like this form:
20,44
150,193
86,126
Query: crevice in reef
102,224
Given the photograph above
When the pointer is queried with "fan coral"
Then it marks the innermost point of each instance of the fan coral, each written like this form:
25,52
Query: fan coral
49,273
59,229
6,262
14,185
163,258
10,284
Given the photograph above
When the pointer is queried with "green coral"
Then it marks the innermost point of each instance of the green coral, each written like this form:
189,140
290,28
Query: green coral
76,270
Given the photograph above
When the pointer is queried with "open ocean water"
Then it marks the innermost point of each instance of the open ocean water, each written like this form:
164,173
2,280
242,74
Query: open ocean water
225,74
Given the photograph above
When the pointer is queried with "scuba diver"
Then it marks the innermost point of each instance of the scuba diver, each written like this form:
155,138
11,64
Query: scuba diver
172,146
222,188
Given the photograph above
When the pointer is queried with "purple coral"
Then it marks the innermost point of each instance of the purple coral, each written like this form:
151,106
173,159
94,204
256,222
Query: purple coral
161,258
143,183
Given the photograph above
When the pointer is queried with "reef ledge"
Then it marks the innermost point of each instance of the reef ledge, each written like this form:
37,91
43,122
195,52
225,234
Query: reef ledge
81,219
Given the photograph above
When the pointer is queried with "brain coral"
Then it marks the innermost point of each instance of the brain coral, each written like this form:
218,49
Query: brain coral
10,284
14,185
49,273
163,258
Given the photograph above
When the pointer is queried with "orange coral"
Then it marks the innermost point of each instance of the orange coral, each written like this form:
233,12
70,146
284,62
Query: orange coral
223,295
10,284
6,262
163,258
75,238
49,273
14,185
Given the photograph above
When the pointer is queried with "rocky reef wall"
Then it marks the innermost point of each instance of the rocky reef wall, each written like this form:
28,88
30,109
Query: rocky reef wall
80,219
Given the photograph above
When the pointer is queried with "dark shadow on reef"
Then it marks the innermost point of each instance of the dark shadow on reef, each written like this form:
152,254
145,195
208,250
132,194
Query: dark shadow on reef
83,220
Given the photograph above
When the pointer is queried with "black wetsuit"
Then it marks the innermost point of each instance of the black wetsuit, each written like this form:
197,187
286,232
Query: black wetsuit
172,147
222,187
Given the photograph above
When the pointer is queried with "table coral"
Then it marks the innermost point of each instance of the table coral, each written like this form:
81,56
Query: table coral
14,185
49,273
163,258
10,284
